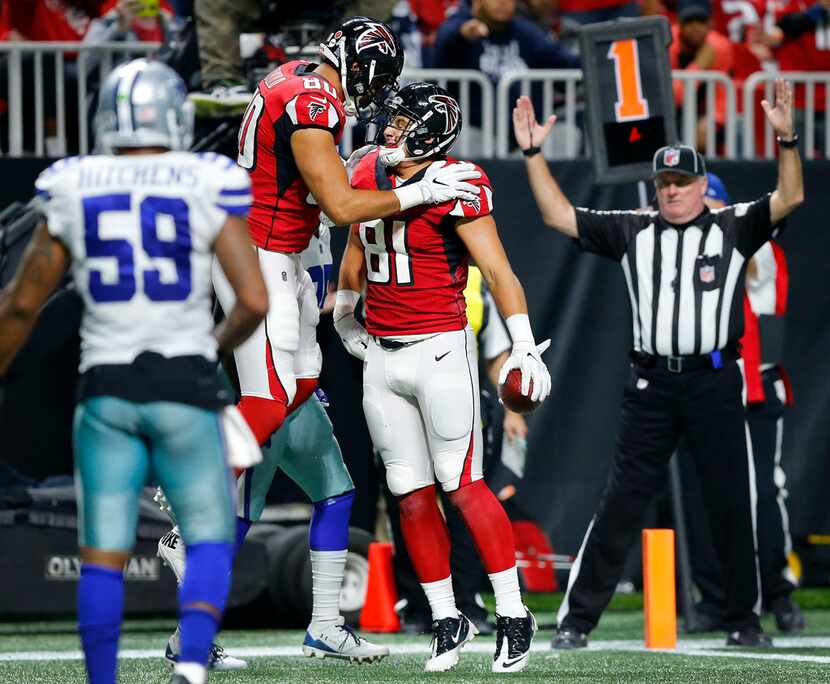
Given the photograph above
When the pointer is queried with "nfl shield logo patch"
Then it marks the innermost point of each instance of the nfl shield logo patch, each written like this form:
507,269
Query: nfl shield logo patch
707,274
671,157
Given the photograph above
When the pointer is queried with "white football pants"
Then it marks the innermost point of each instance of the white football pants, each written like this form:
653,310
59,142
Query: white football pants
422,408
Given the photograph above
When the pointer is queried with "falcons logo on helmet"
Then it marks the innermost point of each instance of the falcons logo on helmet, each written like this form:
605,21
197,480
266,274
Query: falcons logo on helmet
449,108
376,36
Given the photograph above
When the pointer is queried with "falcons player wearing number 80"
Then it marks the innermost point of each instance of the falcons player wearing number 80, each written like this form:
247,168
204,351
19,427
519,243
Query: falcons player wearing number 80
287,142
420,382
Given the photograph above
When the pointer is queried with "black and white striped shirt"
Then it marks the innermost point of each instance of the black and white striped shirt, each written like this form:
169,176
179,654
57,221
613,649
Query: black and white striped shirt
685,282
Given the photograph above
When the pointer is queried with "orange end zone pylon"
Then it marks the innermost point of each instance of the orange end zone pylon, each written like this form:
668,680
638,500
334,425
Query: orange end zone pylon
378,613
659,600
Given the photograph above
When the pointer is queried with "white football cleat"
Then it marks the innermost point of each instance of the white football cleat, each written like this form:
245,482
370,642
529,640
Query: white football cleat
218,660
448,638
340,641
513,639
172,553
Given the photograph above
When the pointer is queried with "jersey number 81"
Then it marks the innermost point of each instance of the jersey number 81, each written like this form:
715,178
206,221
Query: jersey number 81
379,256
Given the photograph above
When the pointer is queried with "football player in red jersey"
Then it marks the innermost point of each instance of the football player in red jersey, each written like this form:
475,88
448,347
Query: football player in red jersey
287,142
420,381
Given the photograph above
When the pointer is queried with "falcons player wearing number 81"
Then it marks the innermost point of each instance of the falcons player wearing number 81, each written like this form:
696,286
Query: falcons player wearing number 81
420,381
287,142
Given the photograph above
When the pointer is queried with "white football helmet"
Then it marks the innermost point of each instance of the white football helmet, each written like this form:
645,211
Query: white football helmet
143,104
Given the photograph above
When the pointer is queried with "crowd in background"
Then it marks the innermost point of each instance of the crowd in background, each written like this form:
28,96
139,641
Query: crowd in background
736,37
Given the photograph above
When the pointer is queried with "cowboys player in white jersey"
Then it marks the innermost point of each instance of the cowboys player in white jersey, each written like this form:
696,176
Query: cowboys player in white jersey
137,227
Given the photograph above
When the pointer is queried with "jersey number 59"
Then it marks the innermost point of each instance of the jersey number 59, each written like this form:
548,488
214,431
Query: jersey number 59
122,250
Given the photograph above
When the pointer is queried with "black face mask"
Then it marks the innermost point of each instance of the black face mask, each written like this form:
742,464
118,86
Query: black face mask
370,104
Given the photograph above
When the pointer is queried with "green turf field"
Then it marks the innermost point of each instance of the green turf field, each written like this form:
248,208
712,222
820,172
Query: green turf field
47,653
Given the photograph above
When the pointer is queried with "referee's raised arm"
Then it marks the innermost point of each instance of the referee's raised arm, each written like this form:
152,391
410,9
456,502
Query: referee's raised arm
557,211
790,190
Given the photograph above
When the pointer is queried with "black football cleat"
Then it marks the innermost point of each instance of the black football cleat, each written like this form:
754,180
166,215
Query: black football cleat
448,637
513,639
749,637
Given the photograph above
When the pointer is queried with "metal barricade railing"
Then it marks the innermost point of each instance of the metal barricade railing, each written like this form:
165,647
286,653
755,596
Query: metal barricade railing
14,51
567,109
805,79
557,88
547,78
689,112
465,80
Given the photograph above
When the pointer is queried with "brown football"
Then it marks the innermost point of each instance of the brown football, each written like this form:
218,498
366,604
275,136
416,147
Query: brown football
510,393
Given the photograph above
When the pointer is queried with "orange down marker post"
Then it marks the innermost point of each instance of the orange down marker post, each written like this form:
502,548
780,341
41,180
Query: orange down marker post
660,604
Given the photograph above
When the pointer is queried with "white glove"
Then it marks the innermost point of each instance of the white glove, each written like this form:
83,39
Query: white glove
526,355
352,334
442,182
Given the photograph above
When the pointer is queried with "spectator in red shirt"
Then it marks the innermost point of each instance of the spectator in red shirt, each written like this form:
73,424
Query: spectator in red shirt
48,20
696,47
52,21
801,42
739,20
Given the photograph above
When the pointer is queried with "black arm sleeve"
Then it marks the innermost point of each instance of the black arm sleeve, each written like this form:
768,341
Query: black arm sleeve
751,223
608,233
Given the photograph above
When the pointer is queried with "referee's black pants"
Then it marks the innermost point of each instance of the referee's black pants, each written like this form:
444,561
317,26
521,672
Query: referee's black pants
766,425
659,407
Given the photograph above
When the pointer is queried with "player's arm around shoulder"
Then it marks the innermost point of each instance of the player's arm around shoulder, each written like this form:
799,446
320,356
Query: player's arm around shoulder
323,172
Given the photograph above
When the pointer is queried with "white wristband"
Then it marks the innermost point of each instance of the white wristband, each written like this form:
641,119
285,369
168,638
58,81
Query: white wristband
345,302
409,196
519,327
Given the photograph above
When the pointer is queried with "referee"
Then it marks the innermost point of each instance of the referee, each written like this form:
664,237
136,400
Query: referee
684,269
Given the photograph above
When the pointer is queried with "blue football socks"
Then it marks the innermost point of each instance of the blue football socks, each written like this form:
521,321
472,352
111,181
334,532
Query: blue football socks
329,529
207,581
100,605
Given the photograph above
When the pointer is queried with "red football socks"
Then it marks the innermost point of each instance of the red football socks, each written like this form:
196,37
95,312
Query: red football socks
488,524
426,535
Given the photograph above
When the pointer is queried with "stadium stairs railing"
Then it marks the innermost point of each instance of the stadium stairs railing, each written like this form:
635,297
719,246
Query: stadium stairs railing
810,116
566,107
107,54
559,90
466,83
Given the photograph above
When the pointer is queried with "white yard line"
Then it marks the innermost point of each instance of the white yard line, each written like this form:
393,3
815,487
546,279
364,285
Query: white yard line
692,647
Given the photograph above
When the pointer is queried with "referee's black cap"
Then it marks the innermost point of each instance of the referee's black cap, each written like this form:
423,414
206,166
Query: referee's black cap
679,159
